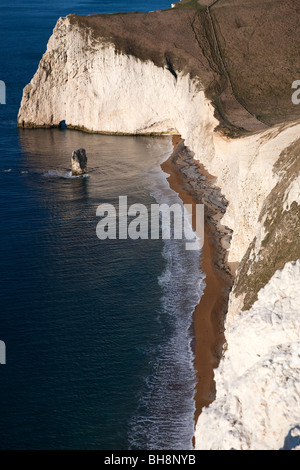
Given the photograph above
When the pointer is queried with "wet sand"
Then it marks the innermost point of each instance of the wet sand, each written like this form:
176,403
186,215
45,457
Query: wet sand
210,313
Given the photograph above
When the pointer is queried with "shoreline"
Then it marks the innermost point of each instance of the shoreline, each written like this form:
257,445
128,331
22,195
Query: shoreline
209,314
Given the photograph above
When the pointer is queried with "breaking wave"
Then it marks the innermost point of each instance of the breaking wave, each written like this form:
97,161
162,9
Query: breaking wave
165,416
67,174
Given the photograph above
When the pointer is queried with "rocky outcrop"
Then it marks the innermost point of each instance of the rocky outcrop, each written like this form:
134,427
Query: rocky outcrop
113,75
79,162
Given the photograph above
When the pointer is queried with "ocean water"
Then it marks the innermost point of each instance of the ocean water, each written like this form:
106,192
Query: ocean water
98,333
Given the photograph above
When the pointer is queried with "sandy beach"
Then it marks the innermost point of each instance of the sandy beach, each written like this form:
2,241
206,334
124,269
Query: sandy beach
210,313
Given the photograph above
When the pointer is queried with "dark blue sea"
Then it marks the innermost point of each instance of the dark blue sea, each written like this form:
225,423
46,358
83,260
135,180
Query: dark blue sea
98,333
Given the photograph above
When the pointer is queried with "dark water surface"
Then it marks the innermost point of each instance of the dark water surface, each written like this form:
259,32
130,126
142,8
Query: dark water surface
98,333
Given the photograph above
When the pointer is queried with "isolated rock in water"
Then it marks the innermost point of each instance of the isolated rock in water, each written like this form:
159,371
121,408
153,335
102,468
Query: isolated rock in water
79,162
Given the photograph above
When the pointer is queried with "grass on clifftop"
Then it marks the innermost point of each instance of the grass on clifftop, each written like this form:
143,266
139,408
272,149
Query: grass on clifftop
189,4
245,58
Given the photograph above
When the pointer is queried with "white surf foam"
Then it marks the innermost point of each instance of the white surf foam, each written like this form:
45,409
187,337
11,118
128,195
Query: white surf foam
67,174
165,418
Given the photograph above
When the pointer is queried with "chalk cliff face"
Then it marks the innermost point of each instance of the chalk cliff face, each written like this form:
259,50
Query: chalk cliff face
89,82
89,85
257,405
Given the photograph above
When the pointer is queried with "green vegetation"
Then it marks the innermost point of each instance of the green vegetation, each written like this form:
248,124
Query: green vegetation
189,4
281,243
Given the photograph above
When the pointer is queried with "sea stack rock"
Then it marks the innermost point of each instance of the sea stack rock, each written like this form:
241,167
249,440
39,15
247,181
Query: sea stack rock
79,162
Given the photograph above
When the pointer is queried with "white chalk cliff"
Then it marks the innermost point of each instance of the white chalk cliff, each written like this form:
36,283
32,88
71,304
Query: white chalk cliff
85,82
257,405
